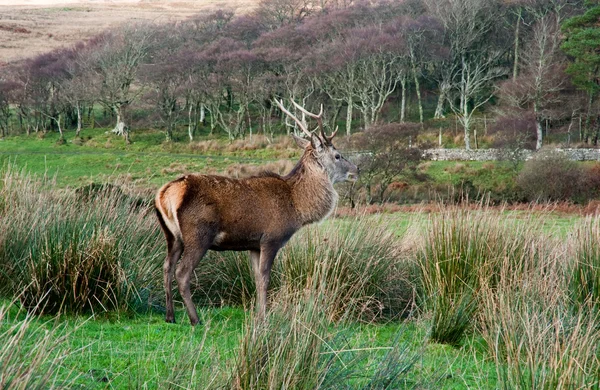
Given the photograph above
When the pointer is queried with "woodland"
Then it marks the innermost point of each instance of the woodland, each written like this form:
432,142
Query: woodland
531,66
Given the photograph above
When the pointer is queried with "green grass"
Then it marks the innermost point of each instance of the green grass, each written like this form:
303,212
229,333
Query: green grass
146,162
124,349
145,352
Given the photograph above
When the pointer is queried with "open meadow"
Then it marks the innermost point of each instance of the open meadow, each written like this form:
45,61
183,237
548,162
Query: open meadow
448,297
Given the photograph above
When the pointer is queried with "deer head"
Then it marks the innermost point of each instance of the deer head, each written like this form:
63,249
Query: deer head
321,147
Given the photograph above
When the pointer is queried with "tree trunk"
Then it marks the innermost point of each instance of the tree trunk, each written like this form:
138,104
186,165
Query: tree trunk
467,136
597,132
439,109
588,119
349,115
466,121
119,128
190,122
78,108
417,88
202,114
464,105
516,52
539,129
57,120
403,101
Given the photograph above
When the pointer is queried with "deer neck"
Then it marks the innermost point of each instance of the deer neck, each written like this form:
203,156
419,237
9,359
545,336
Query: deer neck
312,191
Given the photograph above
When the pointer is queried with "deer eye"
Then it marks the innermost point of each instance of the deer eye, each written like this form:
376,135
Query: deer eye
337,156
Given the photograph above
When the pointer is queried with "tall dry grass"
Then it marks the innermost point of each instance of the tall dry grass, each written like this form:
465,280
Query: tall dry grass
463,250
297,347
30,355
358,258
63,252
583,272
516,286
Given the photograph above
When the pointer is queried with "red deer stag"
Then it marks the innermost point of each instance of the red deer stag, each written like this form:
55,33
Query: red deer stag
258,214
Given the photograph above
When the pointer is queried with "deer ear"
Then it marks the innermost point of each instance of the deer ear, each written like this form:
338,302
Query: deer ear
301,142
317,143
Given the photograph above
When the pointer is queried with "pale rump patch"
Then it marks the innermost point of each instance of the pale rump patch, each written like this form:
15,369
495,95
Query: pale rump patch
168,200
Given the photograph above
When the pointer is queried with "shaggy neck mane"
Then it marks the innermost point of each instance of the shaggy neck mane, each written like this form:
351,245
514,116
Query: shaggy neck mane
312,191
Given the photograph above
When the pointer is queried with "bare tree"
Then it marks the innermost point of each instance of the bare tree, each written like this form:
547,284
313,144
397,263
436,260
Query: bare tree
378,69
466,24
542,75
472,88
277,13
114,60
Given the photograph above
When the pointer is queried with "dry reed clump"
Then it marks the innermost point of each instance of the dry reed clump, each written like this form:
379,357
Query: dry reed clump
205,146
456,168
513,284
74,251
296,347
356,258
256,142
462,251
532,332
583,271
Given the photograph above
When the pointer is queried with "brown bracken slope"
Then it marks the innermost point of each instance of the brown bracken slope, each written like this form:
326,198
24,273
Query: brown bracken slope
31,27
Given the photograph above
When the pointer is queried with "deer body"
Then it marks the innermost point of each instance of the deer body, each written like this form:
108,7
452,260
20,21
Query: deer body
258,214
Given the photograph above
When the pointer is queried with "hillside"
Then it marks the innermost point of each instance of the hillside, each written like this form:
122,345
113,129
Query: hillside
31,27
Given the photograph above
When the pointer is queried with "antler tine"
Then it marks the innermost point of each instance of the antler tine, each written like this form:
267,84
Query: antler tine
318,117
328,139
282,108
310,114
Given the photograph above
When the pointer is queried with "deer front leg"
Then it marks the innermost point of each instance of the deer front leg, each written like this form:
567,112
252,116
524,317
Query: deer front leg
262,273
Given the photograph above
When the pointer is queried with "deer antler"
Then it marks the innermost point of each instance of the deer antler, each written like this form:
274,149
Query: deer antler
298,121
319,119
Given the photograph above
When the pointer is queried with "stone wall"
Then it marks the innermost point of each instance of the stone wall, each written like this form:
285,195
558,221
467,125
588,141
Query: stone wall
503,154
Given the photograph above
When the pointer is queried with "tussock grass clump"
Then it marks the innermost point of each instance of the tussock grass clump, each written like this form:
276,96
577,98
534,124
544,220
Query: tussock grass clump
60,253
357,258
296,347
30,355
535,338
583,271
284,351
462,251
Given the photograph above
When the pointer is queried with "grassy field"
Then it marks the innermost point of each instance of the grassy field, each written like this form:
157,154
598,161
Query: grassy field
142,351
102,156
448,297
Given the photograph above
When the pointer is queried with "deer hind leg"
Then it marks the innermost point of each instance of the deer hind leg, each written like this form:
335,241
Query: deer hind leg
175,248
194,251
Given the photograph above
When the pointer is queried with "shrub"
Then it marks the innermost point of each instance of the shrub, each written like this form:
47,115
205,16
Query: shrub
551,178
514,133
59,253
385,157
